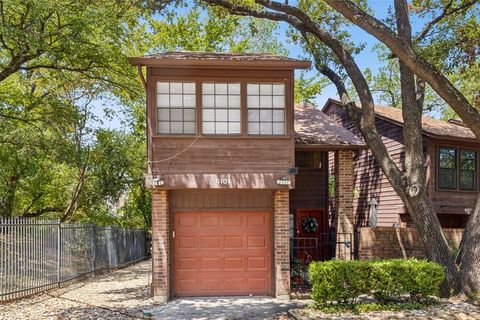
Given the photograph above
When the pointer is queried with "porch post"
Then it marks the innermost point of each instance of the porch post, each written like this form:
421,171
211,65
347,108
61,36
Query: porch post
160,246
344,203
281,236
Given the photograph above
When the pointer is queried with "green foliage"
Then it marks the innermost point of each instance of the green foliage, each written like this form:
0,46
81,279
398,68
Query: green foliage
344,281
307,88
366,307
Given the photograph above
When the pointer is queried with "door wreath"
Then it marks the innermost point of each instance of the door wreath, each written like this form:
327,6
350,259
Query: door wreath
310,224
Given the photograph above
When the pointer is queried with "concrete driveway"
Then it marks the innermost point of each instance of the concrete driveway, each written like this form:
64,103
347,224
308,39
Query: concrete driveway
225,308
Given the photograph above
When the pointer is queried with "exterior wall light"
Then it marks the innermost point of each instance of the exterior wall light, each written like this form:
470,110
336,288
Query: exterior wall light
157,182
283,181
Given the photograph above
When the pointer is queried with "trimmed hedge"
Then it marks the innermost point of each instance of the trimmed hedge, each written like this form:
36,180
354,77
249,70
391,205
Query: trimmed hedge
344,281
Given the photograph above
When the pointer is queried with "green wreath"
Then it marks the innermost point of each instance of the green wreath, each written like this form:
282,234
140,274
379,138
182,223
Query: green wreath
310,224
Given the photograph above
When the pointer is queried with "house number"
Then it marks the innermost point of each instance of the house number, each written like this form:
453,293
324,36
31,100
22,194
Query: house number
222,181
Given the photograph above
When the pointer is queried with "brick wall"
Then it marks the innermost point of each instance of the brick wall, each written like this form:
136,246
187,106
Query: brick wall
160,246
282,244
389,242
344,197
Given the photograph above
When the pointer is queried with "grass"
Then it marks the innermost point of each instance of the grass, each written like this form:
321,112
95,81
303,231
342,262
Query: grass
362,307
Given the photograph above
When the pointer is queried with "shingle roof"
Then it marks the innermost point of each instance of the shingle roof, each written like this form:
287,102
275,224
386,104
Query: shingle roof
211,58
431,127
313,127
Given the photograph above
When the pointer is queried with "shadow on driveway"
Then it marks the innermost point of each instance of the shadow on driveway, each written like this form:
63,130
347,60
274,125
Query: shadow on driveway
225,308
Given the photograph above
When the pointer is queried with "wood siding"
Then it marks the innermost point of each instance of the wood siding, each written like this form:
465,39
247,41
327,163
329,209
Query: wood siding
368,178
199,161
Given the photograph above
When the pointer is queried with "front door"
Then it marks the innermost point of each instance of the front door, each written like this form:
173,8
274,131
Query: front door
311,234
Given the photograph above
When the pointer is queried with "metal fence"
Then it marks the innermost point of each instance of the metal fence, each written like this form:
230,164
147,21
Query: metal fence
37,255
325,246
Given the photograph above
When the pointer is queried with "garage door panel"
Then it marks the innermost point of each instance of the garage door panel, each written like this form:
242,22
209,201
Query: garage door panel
223,254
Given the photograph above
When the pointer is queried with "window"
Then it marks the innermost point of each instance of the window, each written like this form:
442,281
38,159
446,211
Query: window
468,172
175,107
447,168
266,108
221,108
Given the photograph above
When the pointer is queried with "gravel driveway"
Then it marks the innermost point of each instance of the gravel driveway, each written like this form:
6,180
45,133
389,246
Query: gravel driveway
123,294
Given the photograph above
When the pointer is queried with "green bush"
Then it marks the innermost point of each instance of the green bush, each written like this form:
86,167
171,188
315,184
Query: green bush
387,280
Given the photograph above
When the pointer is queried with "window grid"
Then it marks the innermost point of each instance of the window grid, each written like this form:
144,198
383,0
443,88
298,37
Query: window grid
173,115
468,170
447,168
266,108
229,92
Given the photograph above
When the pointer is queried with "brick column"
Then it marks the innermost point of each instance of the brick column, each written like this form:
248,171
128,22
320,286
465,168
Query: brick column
282,244
160,246
344,200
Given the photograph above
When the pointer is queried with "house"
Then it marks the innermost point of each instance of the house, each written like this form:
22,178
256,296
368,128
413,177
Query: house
451,157
232,165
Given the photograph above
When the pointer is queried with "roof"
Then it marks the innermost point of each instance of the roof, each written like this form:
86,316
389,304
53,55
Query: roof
219,59
431,127
313,127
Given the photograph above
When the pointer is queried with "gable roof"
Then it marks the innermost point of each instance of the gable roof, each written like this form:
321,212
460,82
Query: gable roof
219,59
431,127
313,127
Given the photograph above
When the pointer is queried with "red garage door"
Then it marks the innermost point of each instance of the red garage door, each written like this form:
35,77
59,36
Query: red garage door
222,253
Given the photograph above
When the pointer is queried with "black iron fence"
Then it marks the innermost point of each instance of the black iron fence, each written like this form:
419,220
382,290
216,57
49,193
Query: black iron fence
325,246
37,255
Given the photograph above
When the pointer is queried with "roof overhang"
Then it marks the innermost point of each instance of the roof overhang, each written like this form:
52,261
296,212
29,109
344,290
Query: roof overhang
324,147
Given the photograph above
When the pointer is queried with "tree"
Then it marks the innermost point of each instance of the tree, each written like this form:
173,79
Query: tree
318,33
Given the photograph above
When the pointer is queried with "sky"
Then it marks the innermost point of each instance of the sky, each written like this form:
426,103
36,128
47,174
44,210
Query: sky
365,59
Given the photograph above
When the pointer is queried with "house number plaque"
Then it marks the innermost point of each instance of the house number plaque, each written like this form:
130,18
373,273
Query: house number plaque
222,181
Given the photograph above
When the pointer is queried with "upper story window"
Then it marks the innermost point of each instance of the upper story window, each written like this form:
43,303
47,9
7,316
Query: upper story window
176,107
221,108
266,108
457,169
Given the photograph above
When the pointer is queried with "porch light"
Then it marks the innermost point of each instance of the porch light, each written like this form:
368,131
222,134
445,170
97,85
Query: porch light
283,181
157,182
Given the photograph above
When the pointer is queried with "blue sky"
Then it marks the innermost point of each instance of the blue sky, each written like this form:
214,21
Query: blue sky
366,59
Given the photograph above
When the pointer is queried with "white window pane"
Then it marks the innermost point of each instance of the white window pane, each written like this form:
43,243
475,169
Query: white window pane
176,114
278,115
278,89
266,89
253,128
207,88
253,101
265,128
233,115
221,101
221,115
163,114
208,115
253,115
208,101
233,101
208,127
278,101
266,115
163,87
163,100
234,88
189,87
176,100
189,101
221,88
189,127
163,127
189,115
278,128
234,127
221,127
176,87
176,127
253,89
265,101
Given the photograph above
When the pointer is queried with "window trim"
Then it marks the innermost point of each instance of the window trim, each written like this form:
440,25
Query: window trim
458,149
243,80
475,176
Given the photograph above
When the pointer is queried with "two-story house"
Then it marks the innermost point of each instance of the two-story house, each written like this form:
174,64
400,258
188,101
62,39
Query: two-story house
231,161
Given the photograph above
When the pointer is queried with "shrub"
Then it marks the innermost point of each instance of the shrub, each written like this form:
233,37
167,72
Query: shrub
344,281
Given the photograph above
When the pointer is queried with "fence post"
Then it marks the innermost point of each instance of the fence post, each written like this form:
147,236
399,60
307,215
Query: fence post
59,251
94,247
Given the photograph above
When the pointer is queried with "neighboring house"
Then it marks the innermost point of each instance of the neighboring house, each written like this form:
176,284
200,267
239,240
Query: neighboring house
225,144
451,157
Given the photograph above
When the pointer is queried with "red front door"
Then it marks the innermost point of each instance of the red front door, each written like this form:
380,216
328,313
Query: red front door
311,245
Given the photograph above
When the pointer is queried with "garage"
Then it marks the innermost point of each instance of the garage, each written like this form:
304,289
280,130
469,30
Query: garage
222,253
